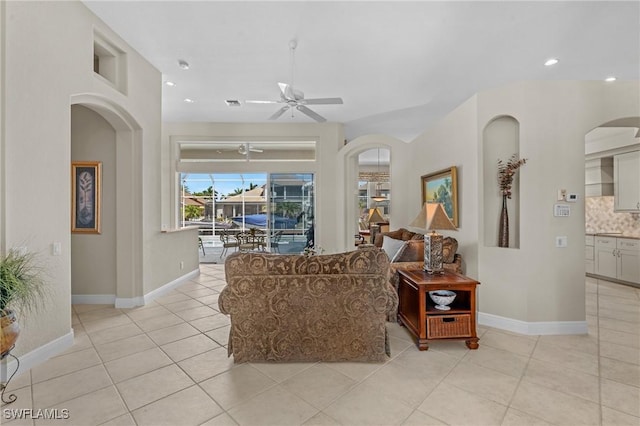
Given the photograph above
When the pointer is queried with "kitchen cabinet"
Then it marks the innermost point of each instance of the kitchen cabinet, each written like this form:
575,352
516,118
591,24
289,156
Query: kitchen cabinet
589,254
606,261
617,258
628,266
626,181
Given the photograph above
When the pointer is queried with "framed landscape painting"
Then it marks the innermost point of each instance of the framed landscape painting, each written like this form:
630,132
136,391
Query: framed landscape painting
442,187
86,196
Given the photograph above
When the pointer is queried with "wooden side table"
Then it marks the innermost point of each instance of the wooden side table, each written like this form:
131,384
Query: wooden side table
418,313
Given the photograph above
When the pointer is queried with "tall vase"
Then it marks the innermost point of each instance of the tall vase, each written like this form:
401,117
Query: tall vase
503,237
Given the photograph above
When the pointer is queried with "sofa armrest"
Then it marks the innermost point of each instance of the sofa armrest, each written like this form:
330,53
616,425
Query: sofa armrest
221,301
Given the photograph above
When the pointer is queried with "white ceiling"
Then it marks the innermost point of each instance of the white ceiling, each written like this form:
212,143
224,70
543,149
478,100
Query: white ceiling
398,66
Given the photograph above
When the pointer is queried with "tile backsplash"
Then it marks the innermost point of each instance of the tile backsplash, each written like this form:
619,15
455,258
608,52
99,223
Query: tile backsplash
600,217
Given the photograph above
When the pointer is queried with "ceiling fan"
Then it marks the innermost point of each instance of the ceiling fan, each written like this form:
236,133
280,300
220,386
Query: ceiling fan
293,98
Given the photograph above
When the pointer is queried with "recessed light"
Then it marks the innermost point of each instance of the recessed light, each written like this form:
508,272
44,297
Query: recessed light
189,100
183,64
232,102
550,62
610,79
170,83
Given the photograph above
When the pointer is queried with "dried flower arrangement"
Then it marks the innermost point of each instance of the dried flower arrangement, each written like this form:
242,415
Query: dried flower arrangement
506,172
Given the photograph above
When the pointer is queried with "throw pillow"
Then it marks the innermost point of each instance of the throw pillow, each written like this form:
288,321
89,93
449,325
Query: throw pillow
449,249
391,246
411,251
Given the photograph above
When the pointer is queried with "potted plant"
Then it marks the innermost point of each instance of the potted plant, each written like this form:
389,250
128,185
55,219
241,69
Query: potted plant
21,289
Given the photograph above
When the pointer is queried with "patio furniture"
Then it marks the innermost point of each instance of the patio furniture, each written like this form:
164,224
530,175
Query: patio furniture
254,239
201,245
228,241
275,241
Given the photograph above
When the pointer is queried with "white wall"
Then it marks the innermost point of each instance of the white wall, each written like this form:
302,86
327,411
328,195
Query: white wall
93,256
537,283
47,50
451,142
329,139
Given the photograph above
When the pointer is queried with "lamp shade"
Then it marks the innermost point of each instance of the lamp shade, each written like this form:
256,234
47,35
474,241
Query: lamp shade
375,216
432,217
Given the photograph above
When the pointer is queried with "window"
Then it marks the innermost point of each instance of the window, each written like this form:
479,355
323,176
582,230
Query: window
280,204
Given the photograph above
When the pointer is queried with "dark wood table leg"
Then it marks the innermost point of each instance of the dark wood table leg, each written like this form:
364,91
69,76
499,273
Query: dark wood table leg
472,343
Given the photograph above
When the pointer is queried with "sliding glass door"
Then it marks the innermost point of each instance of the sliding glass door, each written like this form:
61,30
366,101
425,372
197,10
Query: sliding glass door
279,204
292,207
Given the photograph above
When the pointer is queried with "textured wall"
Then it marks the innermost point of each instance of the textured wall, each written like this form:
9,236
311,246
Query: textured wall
600,217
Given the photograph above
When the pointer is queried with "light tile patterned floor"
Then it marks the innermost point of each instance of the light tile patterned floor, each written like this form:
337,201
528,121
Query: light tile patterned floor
166,364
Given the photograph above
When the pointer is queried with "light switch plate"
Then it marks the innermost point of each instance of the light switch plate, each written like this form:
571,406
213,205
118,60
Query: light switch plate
561,241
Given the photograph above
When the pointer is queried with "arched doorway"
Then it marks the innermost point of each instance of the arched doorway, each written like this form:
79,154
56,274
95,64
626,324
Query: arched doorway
127,189
611,154
349,157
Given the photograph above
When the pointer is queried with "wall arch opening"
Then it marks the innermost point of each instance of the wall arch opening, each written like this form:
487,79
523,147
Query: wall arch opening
127,190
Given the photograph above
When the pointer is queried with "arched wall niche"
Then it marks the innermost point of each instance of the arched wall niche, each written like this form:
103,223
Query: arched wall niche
500,140
128,141
348,157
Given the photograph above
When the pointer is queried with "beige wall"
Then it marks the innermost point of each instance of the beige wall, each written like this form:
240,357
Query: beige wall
537,282
329,137
45,70
93,256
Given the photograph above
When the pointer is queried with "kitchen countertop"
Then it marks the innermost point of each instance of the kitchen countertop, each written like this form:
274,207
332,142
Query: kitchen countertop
614,234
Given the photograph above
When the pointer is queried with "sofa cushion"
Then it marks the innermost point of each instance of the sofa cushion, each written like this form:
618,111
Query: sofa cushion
411,251
391,246
399,234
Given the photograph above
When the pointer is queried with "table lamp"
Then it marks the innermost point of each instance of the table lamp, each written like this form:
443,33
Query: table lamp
374,216
432,217
373,219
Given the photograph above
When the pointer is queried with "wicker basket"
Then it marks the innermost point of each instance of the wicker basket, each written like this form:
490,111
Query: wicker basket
448,326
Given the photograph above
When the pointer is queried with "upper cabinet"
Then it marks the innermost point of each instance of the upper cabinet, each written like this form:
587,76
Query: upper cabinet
598,177
626,181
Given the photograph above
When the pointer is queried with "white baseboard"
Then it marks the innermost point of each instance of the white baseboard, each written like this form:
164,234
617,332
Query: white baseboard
93,299
131,302
533,328
61,344
36,356
170,286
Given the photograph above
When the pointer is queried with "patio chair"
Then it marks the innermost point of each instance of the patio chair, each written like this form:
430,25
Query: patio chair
228,240
201,245
275,241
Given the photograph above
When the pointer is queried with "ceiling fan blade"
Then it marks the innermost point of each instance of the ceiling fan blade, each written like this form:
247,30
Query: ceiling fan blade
279,112
303,109
262,102
288,93
323,101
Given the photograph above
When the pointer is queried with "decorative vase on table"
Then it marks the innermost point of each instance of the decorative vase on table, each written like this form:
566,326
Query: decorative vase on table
503,236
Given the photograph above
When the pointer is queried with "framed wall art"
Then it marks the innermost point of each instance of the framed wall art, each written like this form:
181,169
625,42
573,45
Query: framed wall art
86,195
442,187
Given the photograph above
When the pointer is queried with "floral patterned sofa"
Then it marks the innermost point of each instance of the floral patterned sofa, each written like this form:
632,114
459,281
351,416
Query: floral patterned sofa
308,308
411,254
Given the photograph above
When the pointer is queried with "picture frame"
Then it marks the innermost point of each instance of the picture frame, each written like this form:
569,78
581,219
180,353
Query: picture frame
442,187
86,197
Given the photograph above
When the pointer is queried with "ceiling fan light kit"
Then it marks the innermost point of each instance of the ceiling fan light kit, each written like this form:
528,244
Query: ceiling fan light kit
293,98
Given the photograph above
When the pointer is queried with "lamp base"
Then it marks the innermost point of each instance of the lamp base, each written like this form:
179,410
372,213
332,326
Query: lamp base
433,253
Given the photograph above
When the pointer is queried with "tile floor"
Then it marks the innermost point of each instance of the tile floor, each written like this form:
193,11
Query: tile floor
166,364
